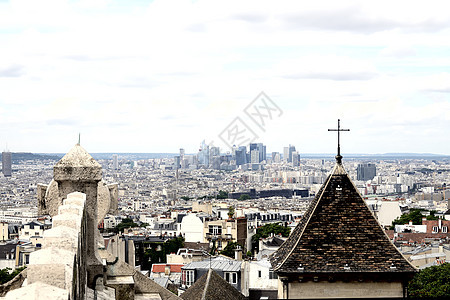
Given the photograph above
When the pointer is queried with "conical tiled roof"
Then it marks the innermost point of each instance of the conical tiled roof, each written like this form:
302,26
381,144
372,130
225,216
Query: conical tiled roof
338,233
212,287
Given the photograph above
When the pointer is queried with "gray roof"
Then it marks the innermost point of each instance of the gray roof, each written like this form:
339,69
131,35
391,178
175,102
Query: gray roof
162,281
212,286
218,263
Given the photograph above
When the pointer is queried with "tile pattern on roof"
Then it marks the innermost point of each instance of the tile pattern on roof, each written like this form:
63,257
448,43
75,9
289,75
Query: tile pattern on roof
338,233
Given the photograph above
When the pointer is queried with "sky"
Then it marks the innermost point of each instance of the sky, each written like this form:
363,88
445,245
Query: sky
156,76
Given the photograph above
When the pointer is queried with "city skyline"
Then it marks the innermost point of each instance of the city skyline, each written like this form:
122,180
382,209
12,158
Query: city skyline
151,76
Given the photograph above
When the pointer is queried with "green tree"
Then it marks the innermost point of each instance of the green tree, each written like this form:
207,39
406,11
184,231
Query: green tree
267,230
222,195
414,215
432,216
157,252
229,249
230,212
6,275
244,197
432,282
126,223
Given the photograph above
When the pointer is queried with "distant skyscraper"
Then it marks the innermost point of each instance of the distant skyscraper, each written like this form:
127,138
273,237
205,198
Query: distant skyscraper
366,172
264,153
182,159
6,164
286,153
115,159
295,159
254,157
177,162
241,157
291,150
203,154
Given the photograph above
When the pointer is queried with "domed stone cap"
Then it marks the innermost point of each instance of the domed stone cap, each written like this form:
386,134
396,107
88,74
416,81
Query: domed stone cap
77,165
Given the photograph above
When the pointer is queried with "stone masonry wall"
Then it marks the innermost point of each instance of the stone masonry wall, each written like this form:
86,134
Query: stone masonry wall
60,265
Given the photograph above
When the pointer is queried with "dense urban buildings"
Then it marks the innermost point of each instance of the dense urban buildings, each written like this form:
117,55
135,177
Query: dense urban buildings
217,201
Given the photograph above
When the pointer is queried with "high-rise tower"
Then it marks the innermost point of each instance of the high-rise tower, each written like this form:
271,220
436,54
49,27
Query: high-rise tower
6,163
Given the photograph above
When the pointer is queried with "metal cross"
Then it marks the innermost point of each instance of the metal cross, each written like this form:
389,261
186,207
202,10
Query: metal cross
338,156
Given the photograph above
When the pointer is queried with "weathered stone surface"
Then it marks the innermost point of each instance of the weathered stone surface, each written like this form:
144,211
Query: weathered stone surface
103,200
62,237
77,165
52,266
49,205
69,220
142,284
114,196
75,198
38,291
41,190
70,209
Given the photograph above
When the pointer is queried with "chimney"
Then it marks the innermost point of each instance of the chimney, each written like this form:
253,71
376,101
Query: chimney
238,253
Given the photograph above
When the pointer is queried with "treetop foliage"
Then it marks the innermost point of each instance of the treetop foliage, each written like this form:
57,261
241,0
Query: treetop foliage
432,282
268,229
414,215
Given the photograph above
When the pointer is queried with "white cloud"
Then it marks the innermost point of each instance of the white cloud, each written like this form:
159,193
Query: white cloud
150,78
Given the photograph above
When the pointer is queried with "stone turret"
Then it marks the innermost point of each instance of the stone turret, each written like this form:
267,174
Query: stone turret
78,171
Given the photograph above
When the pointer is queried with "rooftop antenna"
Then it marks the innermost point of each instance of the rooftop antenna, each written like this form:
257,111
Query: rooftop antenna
338,156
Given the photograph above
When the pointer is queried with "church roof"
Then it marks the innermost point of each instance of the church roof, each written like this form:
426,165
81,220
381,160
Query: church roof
212,286
338,233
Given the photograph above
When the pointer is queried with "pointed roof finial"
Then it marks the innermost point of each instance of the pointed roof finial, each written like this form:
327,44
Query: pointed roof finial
79,138
338,156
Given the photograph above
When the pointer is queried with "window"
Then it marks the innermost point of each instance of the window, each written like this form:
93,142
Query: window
259,273
444,229
215,229
272,274
36,233
27,233
231,277
435,229
187,277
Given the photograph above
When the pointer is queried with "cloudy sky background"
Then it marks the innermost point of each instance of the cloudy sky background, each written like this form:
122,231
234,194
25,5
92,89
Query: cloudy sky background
154,76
